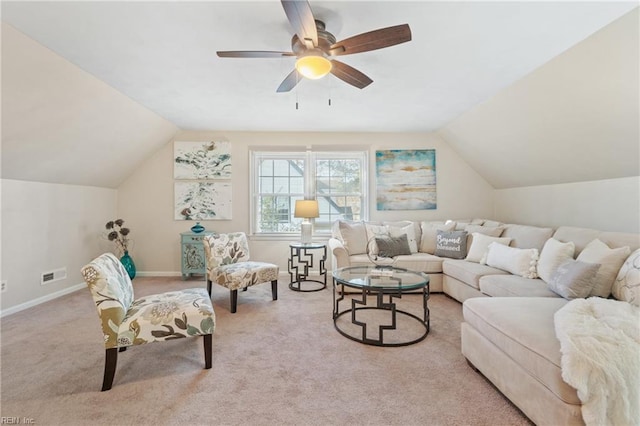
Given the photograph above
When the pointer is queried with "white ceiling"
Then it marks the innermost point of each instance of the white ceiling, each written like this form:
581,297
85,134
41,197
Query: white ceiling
162,55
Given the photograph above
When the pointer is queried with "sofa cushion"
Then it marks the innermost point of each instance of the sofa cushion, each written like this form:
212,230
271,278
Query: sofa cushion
408,229
574,279
518,261
523,328
492,231
422,262
627,284
429,232
389,246
579,236
451,244
491,224
353,236
610,261
525,236
374,230
468,272
514,286
553,254
480,244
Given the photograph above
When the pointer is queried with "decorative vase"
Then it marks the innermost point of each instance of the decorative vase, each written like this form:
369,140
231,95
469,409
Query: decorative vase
128,264
197,228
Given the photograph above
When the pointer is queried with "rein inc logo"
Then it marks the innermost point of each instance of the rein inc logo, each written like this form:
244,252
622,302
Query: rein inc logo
5,420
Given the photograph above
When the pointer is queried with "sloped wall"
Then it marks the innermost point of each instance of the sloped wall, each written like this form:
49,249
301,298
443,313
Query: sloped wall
61,124
574,119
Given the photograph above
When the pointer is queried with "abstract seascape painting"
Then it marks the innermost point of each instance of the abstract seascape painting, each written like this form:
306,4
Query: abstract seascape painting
201,160
406,179
202,200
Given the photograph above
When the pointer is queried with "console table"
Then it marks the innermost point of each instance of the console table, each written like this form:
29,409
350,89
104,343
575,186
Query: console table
301,260
193,258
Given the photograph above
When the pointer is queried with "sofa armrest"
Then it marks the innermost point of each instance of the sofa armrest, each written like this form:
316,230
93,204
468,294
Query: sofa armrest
339,254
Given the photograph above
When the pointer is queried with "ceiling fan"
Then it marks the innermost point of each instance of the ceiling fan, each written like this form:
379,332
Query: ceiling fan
316,48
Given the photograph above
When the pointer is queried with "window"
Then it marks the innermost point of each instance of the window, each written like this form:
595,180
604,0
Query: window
336,179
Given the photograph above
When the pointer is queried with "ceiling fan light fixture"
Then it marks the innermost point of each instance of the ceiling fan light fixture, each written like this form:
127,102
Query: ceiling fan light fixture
313,65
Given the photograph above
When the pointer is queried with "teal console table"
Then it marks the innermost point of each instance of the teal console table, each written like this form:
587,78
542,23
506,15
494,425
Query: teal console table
193,258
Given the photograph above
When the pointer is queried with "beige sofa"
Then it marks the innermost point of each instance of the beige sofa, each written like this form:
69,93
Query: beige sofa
509,337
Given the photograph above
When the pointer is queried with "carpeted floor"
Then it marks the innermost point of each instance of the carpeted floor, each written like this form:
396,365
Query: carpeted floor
274,362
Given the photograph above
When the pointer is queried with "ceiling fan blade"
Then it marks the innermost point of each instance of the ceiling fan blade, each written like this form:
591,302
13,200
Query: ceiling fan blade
350,75
376,39
301,18
252,54
289,82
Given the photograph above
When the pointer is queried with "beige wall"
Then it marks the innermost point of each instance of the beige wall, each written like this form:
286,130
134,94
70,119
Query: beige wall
574,119
608,205
145,200
49,226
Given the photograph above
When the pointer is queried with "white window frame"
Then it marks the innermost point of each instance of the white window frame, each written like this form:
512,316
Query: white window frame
310,157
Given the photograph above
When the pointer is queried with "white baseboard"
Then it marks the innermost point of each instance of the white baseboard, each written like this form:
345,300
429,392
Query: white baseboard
158,273
39,300
64,291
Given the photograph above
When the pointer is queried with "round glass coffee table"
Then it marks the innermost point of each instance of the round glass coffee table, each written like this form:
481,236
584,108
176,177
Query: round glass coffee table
369,281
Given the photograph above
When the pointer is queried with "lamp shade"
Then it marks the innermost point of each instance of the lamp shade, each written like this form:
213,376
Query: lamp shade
306,209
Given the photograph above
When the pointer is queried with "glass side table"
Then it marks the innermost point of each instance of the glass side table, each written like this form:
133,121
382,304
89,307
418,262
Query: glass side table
302,261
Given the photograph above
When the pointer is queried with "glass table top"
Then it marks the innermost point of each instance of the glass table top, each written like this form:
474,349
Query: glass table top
382,278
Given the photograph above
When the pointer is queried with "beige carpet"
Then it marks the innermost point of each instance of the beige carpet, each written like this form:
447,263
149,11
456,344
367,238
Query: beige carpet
274,362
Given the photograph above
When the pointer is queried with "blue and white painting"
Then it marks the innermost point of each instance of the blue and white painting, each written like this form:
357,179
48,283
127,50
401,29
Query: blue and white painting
202,200
201,160
406,179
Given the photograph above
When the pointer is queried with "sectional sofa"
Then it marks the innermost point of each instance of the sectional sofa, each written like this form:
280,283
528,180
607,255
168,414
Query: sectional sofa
508,331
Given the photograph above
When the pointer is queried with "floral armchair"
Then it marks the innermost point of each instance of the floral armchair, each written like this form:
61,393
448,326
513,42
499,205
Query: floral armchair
228,265
128,322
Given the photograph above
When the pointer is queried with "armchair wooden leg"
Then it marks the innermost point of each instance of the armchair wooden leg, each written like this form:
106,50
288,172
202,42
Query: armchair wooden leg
208,347
234,301
111,359
209,287
274,289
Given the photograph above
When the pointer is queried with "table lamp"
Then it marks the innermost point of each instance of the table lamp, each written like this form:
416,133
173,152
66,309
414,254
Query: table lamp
306,209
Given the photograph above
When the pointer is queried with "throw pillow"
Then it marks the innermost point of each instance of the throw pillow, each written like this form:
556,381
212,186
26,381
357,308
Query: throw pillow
354,236
553,254
430,233
451,244
573,279
374,231
610,261
518,261
409,231
393,246
480,244
627,284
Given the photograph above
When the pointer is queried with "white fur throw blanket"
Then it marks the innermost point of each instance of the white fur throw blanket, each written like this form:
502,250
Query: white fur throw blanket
600,345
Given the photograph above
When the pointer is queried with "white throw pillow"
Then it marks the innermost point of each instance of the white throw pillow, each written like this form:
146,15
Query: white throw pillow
518,261
430,233
610,261
409,231
480,244
354,236
627,284
374,231
553,254
573,279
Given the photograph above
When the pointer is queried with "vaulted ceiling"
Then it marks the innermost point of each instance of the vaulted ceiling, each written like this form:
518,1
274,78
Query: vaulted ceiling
86,83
